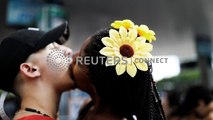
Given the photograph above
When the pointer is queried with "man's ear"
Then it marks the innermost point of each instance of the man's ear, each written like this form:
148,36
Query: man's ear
29,70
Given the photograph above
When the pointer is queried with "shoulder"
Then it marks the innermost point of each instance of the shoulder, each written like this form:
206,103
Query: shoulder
85,108
35,117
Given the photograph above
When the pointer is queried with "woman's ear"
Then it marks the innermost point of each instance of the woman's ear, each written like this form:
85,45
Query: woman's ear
29,70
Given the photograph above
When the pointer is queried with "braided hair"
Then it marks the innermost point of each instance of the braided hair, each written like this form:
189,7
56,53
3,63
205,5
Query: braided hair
125,95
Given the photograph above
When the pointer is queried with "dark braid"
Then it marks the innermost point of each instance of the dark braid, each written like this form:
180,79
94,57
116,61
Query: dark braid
155,105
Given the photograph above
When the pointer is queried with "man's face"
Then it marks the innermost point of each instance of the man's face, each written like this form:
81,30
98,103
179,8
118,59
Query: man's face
210,108
202,110
53,62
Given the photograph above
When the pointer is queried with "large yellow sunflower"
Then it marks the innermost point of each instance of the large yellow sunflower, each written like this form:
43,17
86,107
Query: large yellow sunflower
123,49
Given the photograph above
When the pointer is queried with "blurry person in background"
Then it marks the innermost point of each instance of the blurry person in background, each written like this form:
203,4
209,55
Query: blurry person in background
25,71
119,91
170,102
210,107
165,103
195,105
210,116
11,105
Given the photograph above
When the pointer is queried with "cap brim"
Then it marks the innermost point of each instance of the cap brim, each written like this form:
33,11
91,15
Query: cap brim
59,35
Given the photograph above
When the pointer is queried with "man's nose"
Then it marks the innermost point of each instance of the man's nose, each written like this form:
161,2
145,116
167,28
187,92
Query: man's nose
67,51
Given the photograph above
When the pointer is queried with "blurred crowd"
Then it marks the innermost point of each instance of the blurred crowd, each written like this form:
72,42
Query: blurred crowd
195,103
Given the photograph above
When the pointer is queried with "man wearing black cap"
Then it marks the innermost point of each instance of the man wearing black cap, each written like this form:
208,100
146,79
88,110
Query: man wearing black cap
35,66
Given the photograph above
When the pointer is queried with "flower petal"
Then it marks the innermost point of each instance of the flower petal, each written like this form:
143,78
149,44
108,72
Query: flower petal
112,61
120,69
151,32
107,51
108,42
144,27
153,38
131,69
123,32
128,23
132,34
140,54
128,60
114,34
141,39
118,54
146,47
125,23
142,66
117,24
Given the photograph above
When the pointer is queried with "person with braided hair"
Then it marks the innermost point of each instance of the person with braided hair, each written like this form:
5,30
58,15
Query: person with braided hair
109,67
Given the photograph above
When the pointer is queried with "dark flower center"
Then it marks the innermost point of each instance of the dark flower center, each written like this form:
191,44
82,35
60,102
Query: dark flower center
126,51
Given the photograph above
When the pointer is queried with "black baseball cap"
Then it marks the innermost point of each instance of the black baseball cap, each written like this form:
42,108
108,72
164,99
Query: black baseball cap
18,46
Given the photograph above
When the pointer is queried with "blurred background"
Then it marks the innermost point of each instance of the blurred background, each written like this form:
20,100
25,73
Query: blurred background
183,28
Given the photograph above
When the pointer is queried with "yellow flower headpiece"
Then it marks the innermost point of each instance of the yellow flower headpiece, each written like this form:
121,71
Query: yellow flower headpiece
125,47
143,30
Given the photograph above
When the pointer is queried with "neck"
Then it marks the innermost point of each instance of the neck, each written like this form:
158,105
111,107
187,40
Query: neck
45,100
